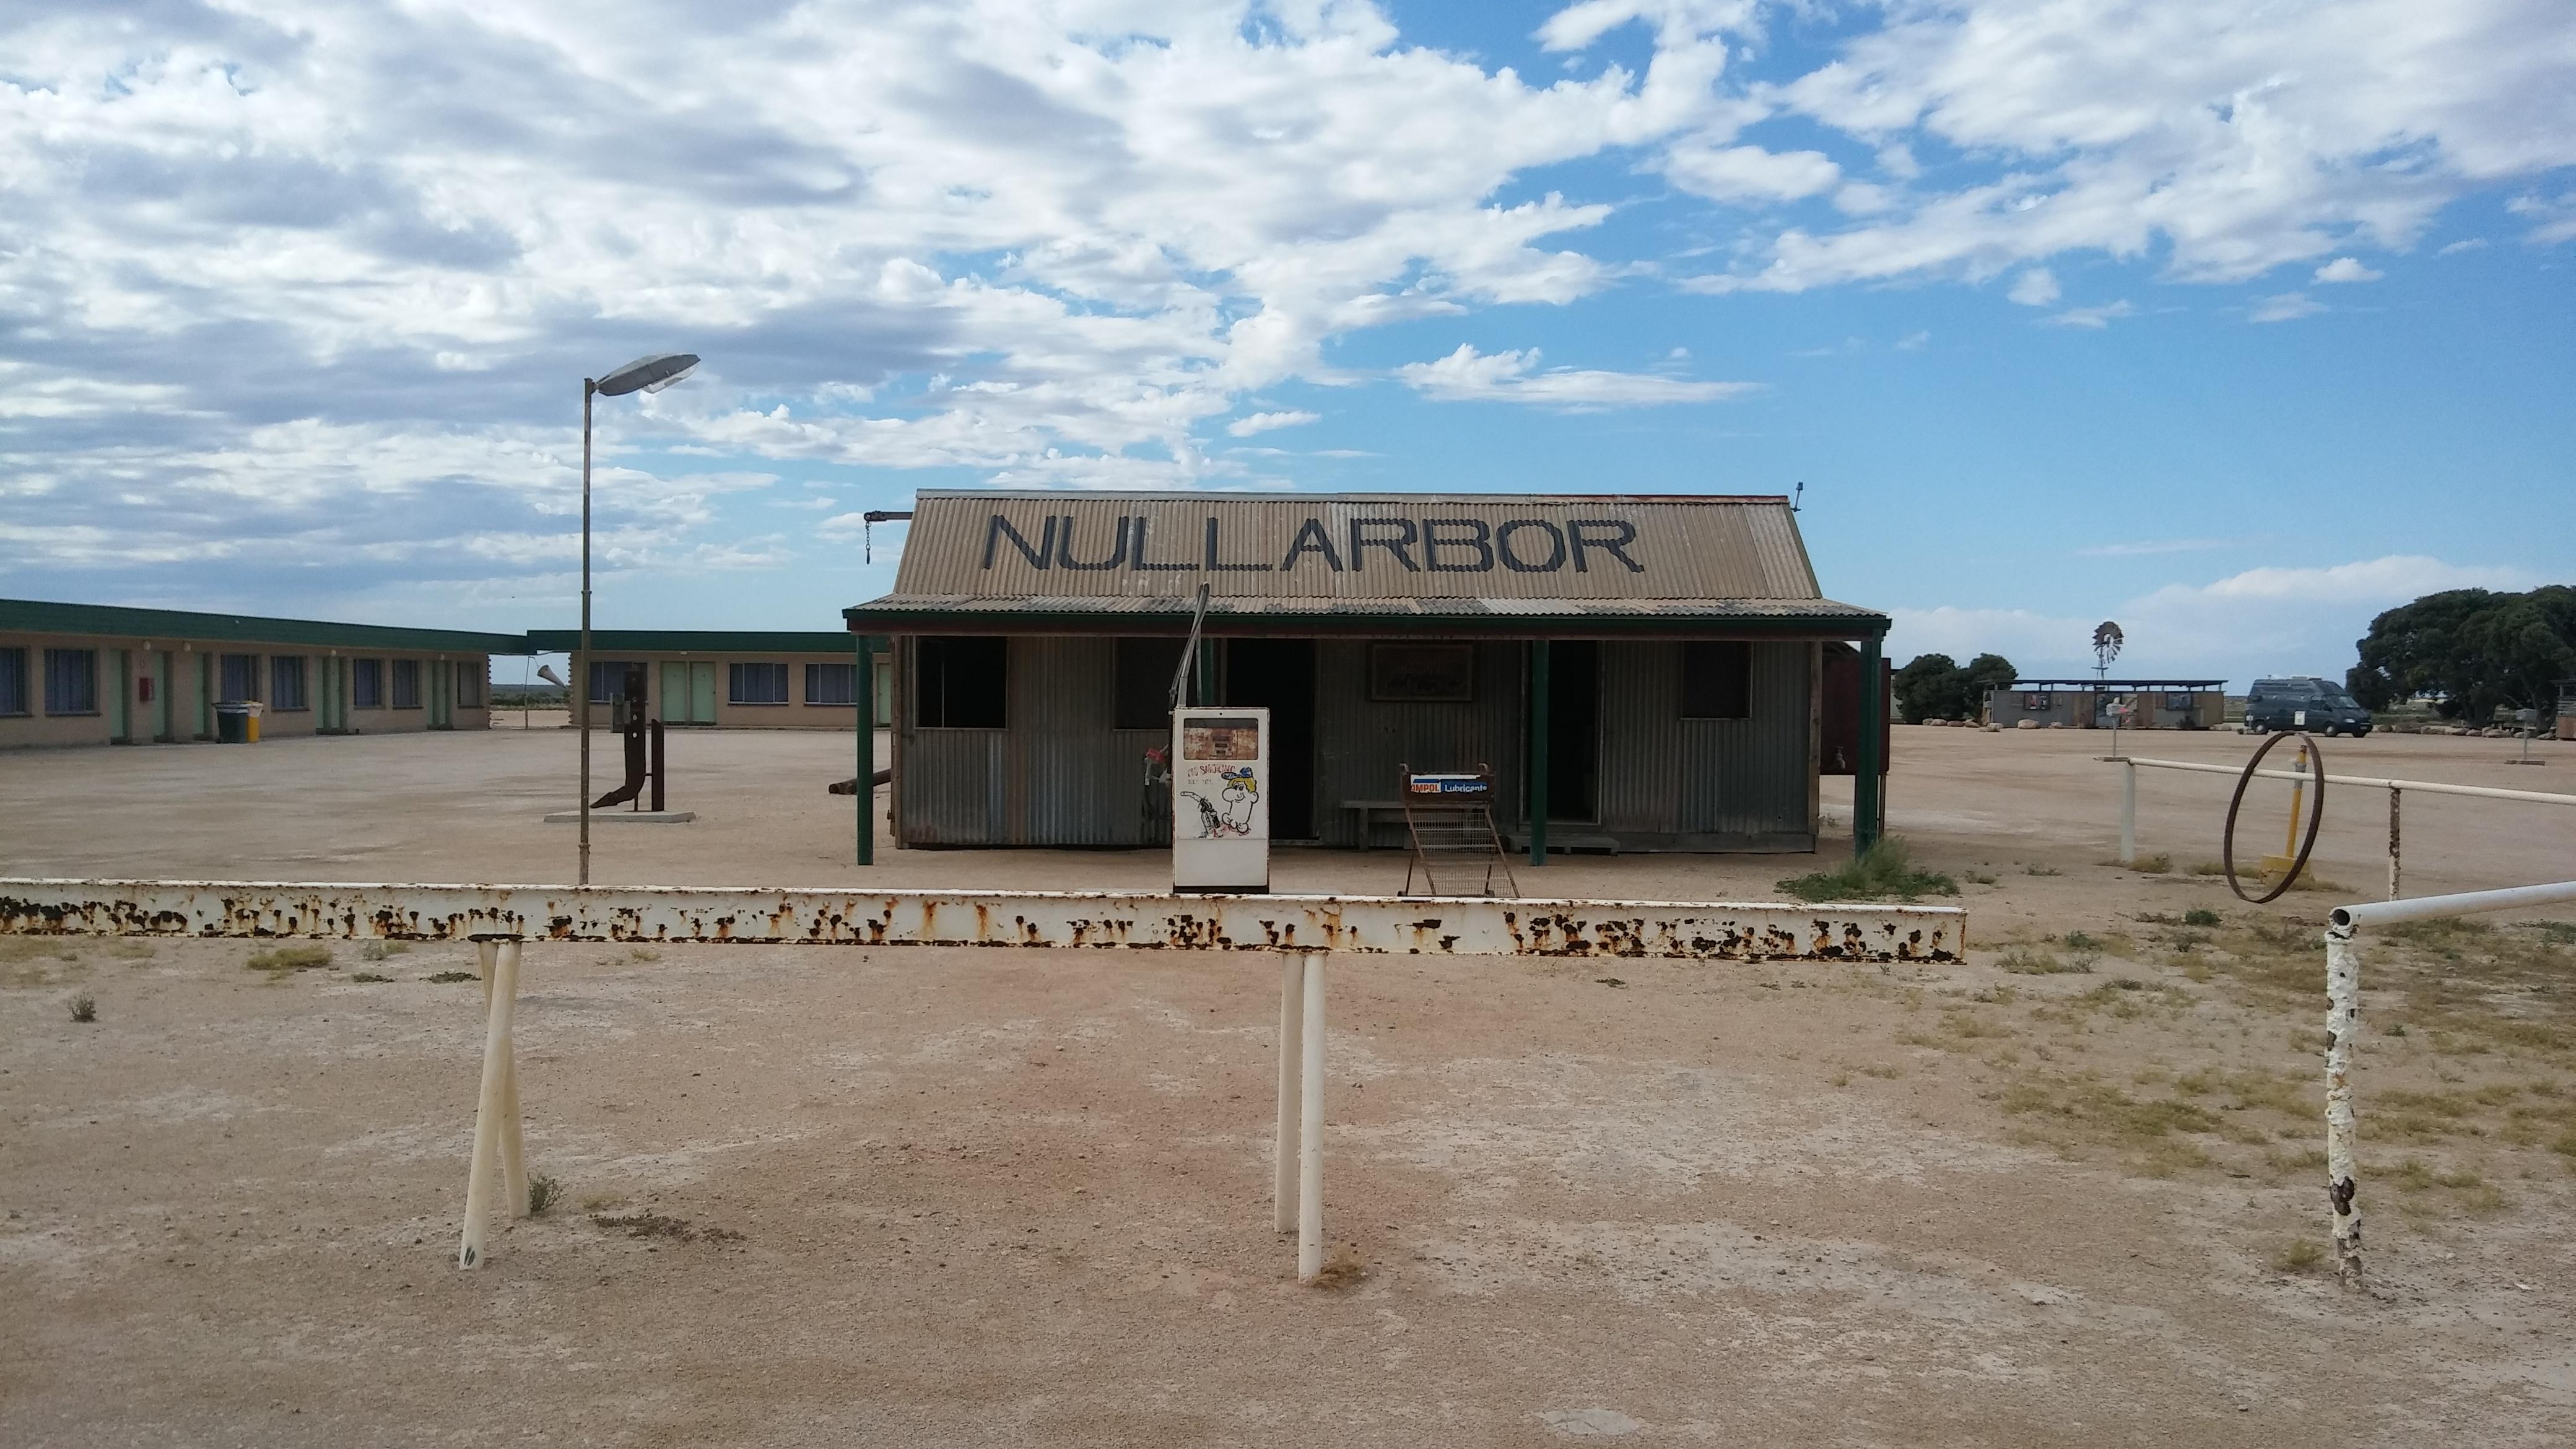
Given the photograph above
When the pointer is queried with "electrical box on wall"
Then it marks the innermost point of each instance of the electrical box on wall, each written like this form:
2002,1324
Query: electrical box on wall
1220,799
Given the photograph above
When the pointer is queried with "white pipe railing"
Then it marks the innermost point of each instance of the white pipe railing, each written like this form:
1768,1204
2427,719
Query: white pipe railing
1302,930
2343,1024
2396,795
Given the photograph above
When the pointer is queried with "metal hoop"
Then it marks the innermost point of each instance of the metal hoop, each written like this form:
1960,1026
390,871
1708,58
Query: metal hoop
2316,817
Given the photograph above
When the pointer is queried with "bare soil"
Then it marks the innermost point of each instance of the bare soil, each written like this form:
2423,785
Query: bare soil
2064,1192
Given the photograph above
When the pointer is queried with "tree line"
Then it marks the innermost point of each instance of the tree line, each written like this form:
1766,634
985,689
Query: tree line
2471,650
1935,686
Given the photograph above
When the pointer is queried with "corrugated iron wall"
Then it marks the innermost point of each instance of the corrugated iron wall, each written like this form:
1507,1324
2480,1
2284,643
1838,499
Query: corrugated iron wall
1360,744
1664,775
1058,776
1748,777
1061,776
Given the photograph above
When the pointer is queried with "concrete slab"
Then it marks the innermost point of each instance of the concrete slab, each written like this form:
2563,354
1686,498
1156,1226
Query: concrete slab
624,817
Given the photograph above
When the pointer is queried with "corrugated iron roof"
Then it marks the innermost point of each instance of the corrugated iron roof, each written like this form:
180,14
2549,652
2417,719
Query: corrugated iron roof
1429,555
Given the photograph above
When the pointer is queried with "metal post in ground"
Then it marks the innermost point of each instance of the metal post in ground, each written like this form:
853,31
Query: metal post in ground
1310,1125
1865,778
492,1104
2343,1020
1292,1064
2394,795
1538,748
2128,814
864,697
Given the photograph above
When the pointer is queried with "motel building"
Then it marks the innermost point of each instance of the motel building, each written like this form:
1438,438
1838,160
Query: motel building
1690,683
93,674
732,679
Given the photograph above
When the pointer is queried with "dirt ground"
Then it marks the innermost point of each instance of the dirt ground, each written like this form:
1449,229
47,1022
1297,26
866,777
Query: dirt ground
2065,1192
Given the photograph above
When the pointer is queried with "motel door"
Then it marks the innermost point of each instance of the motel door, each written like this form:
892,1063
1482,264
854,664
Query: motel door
689,692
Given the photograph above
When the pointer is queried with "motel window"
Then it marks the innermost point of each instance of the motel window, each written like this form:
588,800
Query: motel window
240,678
756,684
1717,679
469,683
13,681
960,683
1144,686
71,681
286,681
608,679
831,684
406,683
367,684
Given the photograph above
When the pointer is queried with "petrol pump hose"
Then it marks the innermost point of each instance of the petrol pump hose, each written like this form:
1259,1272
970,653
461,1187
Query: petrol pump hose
2316,817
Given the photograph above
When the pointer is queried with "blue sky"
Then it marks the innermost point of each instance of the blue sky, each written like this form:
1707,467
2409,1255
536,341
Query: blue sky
2234,328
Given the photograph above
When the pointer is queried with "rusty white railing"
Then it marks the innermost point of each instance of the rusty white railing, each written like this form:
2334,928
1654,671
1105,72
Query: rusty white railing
2343,1025
1302,930
2396,798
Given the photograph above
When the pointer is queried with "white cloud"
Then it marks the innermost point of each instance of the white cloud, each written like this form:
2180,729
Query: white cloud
2395,578
2347,269
2468,244
2274,620
2285,307
2095,318
1467,375
2553,217
1245,427
1749,173
2034,288
2226,140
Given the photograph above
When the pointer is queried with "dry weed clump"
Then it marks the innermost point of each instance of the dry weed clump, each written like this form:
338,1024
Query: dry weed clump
280,959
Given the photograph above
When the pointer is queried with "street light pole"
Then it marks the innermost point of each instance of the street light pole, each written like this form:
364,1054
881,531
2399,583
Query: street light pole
580,690
647,374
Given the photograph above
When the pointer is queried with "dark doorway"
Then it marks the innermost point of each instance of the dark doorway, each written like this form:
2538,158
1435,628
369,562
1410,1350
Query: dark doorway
1279,675
1574,730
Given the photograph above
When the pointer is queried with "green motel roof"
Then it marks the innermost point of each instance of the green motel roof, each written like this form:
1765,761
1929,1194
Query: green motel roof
696,641
36,617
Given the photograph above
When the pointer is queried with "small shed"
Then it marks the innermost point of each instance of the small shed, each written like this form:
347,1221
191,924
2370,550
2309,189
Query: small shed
1642,673
2084,704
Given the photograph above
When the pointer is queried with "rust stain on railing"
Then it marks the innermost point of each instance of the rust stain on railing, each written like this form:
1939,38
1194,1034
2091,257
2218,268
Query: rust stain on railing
1048,919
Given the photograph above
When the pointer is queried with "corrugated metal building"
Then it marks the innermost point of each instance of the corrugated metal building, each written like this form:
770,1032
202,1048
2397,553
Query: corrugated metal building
1667,650
2084,704
96,674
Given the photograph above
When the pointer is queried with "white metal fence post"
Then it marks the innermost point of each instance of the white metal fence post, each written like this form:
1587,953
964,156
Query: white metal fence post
1292,1061
2128,814
2343,1021
490,1106
1310,1130
2394,795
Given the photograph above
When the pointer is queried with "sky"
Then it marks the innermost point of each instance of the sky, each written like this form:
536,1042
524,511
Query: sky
2234,323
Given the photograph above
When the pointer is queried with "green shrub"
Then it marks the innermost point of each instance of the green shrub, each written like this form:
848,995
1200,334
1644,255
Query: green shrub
1884,870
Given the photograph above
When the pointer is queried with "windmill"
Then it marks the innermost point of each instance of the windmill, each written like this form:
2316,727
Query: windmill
2106,647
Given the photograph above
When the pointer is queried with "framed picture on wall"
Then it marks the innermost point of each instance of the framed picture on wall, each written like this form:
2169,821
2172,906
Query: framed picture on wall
1422,673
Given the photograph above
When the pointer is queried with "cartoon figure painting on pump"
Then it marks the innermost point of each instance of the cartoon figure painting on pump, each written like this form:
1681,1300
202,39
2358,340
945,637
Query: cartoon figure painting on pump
1240,793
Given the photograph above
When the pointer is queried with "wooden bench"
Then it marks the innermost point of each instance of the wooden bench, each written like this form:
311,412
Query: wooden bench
1368,810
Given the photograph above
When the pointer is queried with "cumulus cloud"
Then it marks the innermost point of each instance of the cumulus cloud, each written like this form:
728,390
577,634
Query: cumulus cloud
1467,375
1058,242
2223,139
2034,288
1245,427
2347,269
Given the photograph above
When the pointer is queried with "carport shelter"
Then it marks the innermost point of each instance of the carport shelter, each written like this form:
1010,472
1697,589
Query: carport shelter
1641,673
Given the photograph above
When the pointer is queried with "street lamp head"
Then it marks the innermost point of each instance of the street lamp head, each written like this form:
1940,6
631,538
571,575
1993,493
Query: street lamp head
651,374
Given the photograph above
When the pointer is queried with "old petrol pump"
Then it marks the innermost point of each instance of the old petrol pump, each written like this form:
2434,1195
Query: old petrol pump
1220,799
